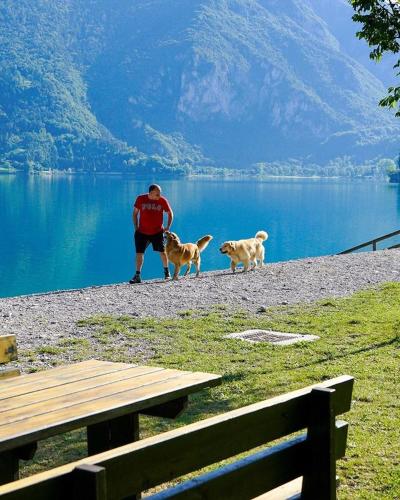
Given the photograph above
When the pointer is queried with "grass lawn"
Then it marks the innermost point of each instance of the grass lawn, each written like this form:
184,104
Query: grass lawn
359,336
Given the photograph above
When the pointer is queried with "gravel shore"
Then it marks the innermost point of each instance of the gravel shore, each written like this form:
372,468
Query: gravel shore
45,318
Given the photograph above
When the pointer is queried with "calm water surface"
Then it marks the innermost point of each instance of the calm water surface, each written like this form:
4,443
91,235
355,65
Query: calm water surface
70,232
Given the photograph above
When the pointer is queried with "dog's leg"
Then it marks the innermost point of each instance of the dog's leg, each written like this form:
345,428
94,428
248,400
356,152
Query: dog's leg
246,265
233,266
188,267
261,259
176,271
197,264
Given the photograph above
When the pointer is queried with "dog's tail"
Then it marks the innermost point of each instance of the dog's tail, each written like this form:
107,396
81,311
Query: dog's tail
262,235
203,242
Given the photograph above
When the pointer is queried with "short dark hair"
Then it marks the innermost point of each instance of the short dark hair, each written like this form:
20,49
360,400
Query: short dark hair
153,187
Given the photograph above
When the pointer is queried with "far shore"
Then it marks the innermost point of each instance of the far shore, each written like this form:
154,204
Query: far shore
190,176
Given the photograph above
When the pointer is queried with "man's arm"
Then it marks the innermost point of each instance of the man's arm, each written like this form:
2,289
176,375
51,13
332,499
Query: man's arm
170,219
135,218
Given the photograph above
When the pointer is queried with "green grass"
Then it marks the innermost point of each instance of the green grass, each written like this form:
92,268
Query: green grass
359,336
48,349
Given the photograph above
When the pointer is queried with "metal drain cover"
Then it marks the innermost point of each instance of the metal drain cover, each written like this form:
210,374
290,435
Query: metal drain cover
276,338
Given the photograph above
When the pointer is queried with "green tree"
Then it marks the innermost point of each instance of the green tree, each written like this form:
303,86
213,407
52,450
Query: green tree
386,165
380,21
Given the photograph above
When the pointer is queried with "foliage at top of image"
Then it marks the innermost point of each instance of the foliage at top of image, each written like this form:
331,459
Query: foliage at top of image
380,21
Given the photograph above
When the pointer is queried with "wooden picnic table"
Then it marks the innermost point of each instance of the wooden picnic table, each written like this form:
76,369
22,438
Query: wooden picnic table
103,396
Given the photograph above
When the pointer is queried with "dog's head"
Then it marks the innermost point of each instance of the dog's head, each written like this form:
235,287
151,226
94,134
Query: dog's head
228,247
171,237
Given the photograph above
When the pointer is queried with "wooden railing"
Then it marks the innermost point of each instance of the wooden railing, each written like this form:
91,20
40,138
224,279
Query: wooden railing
373,243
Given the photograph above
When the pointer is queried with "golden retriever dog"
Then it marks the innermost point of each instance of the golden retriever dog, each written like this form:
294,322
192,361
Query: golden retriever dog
247,251
184,253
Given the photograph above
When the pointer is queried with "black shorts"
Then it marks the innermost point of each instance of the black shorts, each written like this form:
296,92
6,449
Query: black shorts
142,241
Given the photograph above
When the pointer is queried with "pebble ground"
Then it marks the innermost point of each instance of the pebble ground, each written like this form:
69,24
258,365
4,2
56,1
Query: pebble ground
43,319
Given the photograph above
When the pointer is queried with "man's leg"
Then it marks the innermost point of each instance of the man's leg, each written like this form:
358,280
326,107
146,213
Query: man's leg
164,260
141,242
139,262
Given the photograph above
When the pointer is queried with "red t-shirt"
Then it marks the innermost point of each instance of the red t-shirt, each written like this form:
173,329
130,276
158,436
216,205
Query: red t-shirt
151,213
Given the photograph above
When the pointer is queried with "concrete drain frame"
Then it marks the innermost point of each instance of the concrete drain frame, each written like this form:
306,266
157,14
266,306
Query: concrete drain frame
271,337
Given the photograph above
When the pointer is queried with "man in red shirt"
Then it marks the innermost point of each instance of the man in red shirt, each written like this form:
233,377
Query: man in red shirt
148,215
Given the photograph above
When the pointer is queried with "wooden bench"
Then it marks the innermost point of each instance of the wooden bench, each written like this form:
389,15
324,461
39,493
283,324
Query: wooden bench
8,352
136,467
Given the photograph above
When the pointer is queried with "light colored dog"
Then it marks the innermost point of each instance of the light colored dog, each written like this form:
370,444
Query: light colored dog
247,251
185,253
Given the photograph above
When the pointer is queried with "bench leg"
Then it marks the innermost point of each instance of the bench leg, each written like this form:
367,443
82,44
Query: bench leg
170,409
113,433
9,467
98,438
26,452
9,461
117,432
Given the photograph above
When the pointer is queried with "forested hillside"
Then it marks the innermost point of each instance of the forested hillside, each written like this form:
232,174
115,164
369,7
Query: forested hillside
138,85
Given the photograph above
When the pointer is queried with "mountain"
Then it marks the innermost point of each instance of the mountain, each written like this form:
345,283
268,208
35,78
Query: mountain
157,84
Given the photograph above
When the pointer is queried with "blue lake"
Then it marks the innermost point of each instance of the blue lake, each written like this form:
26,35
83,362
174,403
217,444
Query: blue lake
70,232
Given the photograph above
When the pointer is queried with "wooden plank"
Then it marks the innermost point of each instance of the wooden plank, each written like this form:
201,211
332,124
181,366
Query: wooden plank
144,463
284,492
245,478
56,377
8,348
90,394
74,387
6,373
57,370
100,409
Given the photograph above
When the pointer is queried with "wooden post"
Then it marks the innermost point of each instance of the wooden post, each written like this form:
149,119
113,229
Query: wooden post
374,246
320,479
89,482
